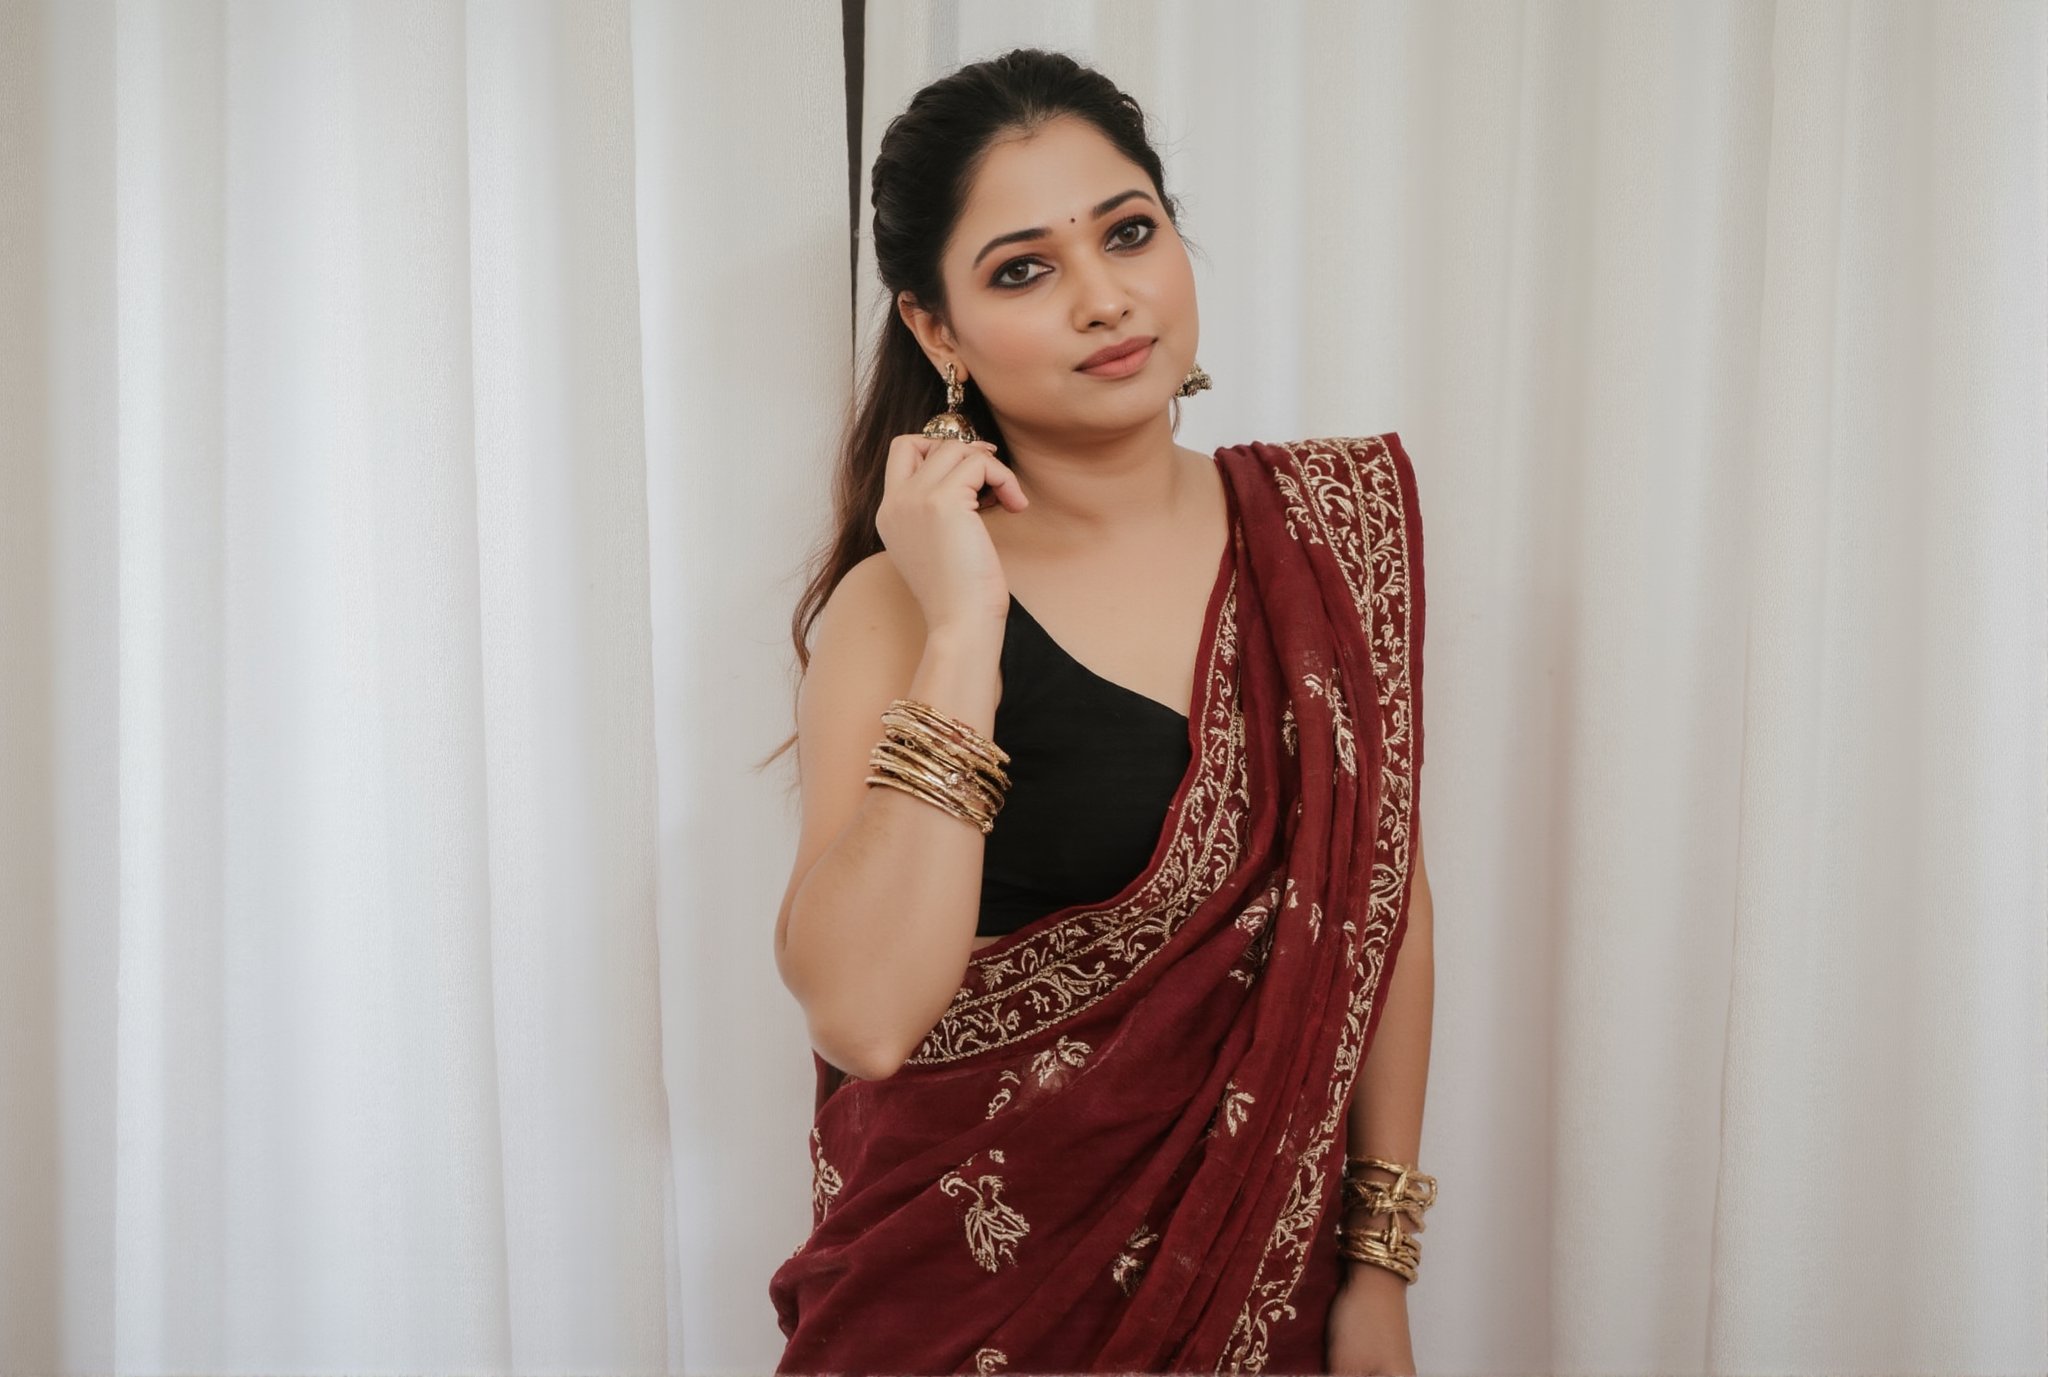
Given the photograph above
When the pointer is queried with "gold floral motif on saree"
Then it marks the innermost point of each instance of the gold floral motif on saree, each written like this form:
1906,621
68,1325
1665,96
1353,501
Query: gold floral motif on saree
1255,916
1129,1268
1237,1106
1255,919
992,1227
1340,717
1346,493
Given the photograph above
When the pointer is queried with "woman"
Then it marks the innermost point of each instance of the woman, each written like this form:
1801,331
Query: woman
1107,1130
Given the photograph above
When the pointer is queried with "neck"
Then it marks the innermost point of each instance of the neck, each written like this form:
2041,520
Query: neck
1087,487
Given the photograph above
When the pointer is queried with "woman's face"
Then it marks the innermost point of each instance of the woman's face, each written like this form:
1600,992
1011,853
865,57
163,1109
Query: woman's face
1061,249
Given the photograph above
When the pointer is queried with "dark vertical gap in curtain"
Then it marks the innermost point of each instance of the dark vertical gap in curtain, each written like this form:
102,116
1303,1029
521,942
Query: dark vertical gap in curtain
853,16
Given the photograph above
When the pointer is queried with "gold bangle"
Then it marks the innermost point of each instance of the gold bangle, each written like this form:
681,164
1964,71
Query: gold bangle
941,786
912,713
922,727
945,768
892,760
1410,1190
921,784
985,825
935,756
1390,1246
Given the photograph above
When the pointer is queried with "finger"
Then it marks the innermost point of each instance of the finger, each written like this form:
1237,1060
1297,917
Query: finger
905,456
942,462
1003,479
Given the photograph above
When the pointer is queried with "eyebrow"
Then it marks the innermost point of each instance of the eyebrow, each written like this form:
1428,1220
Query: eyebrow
1041,231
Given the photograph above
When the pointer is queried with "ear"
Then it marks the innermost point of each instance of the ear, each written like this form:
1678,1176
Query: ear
932,336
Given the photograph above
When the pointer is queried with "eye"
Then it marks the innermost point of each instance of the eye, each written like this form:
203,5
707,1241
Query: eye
1003,280
1136,221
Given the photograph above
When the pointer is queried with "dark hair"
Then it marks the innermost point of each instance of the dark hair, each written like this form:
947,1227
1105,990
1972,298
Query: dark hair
928,159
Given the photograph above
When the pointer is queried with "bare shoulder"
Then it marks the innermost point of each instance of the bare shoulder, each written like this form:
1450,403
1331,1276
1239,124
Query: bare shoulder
872,599
870,637
865,650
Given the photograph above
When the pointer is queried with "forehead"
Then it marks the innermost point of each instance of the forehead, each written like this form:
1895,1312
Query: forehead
1056,174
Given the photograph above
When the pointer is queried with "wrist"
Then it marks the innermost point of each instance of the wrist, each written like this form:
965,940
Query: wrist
1372,1279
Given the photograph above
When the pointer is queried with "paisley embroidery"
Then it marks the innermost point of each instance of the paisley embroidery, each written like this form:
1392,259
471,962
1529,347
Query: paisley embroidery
990,1360
1008,1079
992,1227
1346,494
1069,1052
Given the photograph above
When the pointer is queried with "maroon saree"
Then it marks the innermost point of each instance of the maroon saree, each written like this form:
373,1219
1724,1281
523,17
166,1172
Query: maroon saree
1120,1148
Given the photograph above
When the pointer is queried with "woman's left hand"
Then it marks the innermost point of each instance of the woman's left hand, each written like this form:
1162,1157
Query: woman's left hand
1368,1331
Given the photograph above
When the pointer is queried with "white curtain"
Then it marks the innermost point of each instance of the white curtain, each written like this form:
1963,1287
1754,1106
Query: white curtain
408,408
413,418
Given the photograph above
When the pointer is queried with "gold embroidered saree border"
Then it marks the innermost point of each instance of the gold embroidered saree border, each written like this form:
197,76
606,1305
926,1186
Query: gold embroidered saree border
1346,493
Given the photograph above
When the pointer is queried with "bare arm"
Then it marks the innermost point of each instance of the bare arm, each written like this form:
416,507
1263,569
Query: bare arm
1386,1099
878,924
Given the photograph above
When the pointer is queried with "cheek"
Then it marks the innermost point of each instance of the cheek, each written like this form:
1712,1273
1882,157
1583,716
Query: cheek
1180,282
1025,341
1168,287
999,341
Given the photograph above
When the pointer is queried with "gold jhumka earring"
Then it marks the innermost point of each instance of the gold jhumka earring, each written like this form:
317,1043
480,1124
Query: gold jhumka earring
1194,382
950,424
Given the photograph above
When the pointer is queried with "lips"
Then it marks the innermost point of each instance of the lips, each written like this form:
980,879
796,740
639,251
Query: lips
1114,351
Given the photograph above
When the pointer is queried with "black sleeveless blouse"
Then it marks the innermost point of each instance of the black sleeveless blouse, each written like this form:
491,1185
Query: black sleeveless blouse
1093,768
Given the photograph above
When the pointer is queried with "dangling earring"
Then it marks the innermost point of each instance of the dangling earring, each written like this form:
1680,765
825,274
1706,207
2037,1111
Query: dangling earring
950,424
1194,382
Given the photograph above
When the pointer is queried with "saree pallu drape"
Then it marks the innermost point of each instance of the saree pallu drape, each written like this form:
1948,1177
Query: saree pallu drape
1120,1148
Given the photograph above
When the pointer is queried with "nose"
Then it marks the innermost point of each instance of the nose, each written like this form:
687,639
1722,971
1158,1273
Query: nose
1099,295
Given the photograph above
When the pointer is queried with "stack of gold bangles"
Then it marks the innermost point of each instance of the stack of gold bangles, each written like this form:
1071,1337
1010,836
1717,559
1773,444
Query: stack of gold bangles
1409,1193
942,760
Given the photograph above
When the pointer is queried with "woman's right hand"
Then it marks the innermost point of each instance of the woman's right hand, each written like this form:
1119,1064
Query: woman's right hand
930,521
